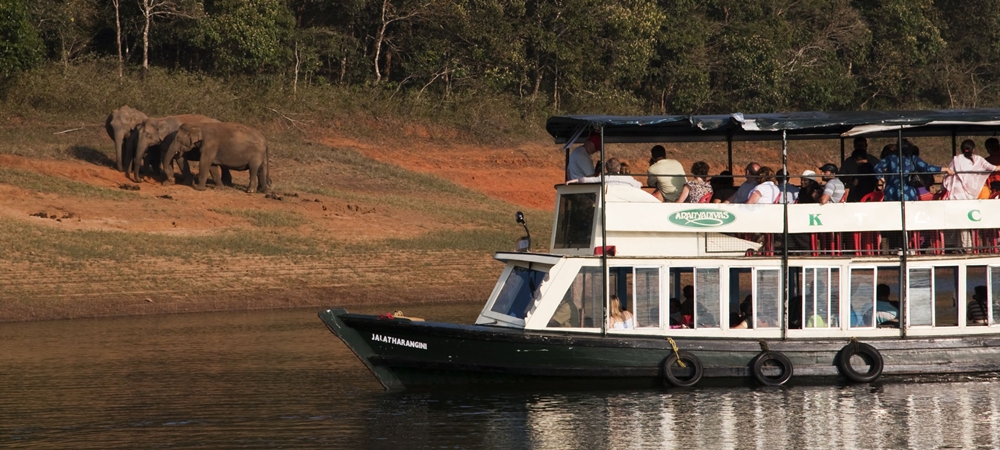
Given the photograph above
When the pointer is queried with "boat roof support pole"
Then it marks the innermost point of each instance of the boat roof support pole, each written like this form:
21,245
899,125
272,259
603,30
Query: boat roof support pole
841,149
954,146
784,232
604,239
904,246
729,151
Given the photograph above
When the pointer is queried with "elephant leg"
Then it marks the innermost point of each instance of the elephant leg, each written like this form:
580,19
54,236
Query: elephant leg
204,168
186,176
217,175
227,177
253,168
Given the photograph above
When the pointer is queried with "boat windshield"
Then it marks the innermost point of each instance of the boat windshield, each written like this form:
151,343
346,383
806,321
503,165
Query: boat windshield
519,292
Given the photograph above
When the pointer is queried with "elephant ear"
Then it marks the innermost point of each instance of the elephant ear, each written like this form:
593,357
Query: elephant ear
189,135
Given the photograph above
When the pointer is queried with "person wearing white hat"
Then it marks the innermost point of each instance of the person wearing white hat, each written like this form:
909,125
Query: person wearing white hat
810,190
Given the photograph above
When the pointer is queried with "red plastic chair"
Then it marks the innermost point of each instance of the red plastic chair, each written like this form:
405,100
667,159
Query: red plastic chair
868,242
707,198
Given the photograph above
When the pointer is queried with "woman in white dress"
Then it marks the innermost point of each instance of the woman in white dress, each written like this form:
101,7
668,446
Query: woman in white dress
767,191
620,320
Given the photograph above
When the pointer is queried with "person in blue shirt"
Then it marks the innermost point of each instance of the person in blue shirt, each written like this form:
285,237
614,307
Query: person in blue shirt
911,163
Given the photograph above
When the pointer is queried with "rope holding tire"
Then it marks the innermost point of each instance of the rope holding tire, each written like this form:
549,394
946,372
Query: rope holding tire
686,361
866,352
761,364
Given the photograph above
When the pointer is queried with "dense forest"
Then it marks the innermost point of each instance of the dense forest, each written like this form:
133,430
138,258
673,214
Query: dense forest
653,56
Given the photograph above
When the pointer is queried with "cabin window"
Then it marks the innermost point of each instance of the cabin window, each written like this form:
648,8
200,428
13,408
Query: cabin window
932,296
647,297
754,298
946,296
874,297
575,223
994,285
694,298
920,298
519,292
818,305
977,296
583,305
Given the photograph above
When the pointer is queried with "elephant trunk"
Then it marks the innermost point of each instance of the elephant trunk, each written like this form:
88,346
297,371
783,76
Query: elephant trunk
119,137
140,155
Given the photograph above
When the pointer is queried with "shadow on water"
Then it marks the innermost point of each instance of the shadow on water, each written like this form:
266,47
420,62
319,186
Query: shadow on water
91,155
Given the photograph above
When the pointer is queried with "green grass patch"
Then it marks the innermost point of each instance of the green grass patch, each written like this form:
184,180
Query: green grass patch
55,185
265,219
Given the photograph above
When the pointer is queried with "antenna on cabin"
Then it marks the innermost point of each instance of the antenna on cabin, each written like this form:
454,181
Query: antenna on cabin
524,243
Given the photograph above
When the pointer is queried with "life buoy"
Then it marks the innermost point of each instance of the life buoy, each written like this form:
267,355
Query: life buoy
693,369
865,351
767,359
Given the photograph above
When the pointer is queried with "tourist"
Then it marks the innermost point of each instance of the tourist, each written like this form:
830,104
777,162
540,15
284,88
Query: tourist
834,190
993,149
766,191
810,190
618,319
698,187
580,163
666,175
791,191
978,308
970,174
722,187
890,166
613,176
861,181
750,182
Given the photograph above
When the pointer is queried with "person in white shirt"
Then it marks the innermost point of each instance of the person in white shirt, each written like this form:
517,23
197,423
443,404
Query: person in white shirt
971,172
580,163
613,175
766,190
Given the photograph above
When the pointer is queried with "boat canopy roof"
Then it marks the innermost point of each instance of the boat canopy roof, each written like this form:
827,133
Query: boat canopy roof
758,127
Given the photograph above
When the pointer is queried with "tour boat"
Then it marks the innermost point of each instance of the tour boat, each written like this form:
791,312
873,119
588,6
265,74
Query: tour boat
810,281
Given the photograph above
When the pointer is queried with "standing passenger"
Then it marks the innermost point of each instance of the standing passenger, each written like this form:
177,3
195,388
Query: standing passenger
971,172
890,168
993,148
666,175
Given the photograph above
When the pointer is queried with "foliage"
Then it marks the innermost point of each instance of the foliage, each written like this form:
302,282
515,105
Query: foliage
576,56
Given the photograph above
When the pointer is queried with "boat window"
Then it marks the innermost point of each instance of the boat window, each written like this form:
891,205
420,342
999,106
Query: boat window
754,298
920,298
582,306
706,298
575,223
977,296
695,296
945,296
819,304
875,297
647,297
519,292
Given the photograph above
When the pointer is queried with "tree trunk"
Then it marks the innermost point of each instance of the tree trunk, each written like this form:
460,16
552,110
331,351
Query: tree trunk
295,82
118,39
343,69
146,13
379,37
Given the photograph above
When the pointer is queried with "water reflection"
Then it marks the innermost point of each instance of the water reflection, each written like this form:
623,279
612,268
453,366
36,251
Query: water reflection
280,379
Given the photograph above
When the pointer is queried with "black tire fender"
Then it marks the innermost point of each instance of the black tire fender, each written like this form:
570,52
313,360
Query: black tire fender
757,365
691,361
875,366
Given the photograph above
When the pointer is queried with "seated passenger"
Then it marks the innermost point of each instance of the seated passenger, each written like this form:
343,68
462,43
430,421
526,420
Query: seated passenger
810,190
978,308
722,186
743,193
580,162
613,176
666,175
791,191
698,187
834,191
618,319
886,310
744,318
676,315
862,180
766,191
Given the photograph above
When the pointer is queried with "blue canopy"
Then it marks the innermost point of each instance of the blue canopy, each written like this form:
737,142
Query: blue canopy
797,125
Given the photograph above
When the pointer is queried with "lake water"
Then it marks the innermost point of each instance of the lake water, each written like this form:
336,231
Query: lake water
279,379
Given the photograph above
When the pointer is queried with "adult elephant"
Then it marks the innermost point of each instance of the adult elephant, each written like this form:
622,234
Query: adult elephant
120,124
155,134
228,145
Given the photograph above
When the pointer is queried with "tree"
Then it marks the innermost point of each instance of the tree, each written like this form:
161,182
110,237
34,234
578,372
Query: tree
247,36
22,47
153,10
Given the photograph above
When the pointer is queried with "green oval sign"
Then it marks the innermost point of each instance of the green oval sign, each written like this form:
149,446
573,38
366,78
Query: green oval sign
702,218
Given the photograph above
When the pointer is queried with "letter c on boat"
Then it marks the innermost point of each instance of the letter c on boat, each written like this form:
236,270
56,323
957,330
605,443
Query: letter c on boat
686,376
975,215
768,361
866,352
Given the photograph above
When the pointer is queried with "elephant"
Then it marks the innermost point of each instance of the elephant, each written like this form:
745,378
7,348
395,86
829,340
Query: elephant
230,145
156,134
120,124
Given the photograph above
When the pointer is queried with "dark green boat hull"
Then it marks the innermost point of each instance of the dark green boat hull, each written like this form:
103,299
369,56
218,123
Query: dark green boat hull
406,354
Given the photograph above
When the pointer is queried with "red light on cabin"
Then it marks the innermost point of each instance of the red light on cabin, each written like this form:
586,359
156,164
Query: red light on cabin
598,251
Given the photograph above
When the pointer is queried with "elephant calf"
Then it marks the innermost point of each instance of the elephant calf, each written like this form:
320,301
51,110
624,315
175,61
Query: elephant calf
229,145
